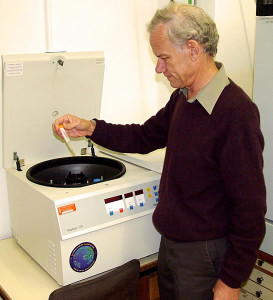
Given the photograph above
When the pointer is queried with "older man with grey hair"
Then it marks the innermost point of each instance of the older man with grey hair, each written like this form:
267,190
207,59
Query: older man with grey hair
212,193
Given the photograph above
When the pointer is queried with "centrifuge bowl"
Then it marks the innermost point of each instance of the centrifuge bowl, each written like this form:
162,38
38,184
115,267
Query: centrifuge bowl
76,171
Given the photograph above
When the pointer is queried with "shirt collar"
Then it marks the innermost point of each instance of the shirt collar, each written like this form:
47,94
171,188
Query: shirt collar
210,93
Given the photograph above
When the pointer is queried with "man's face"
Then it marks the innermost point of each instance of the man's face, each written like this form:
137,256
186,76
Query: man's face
173,62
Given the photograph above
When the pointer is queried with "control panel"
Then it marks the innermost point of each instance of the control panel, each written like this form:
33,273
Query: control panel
131,200
107,207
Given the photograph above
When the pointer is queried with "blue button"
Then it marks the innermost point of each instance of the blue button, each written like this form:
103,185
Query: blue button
141,204
111,213
155,187
96,180
156,199
156,193
131,207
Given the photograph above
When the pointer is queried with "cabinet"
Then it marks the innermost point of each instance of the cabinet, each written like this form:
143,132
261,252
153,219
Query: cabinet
147,284
260,283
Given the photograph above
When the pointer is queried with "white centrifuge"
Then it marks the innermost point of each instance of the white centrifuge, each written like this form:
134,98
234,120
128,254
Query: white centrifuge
77,216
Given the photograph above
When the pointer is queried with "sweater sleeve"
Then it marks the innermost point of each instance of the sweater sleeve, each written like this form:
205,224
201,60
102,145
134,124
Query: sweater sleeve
135,138
242,169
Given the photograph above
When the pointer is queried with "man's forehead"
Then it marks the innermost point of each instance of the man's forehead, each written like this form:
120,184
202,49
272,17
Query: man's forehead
159,36
160,42
160,29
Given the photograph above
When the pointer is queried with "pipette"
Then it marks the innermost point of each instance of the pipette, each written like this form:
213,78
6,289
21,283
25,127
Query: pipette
67,139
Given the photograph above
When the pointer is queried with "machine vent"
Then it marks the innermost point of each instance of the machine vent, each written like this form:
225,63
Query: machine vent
52,257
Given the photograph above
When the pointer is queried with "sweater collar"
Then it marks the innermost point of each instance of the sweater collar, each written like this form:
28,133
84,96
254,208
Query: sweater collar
209,94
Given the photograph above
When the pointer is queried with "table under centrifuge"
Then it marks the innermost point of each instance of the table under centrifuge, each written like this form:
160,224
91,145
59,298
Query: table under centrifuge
77,216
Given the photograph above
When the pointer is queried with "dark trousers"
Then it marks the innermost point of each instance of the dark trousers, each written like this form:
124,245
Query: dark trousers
189,271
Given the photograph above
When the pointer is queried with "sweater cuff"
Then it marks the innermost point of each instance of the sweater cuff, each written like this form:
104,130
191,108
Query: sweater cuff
94,121
228,280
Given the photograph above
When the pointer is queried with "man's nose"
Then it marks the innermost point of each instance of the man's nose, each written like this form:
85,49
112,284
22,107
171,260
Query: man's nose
160,66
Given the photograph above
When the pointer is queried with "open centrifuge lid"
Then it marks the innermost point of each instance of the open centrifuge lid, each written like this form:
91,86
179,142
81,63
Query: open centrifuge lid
37,89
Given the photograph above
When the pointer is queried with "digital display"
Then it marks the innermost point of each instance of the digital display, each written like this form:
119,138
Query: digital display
128,195
113,199
139,192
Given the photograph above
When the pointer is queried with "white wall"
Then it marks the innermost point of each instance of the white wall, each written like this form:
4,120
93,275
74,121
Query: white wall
236,22
132,91
21,31
117,28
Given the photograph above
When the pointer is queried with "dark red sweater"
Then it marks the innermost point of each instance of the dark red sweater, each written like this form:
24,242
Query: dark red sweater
212,183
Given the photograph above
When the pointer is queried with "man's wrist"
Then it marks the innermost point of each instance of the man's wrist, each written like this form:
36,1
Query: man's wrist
91,127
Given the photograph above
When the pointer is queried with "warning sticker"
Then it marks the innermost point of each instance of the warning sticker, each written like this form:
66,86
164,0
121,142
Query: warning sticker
66,209
14,69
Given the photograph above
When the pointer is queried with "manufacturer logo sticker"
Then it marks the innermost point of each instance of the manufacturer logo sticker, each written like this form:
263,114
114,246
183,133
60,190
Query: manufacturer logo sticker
66,209
83,257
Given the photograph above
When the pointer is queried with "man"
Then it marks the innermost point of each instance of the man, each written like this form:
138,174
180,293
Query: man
212,194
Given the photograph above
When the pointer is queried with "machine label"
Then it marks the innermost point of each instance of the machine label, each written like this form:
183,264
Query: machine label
66,209
14,69
83,257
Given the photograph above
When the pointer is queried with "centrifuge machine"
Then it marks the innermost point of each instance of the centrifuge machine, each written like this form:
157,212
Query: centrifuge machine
77,216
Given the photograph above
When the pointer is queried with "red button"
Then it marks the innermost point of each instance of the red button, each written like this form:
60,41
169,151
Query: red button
121,210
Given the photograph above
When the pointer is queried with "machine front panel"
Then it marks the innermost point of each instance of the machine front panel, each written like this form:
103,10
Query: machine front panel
96,252
107,208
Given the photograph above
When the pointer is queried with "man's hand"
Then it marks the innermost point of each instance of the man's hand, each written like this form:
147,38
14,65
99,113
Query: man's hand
74,126
224,292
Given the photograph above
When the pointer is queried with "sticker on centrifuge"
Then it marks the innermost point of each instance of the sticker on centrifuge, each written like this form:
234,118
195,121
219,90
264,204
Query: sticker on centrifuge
83,257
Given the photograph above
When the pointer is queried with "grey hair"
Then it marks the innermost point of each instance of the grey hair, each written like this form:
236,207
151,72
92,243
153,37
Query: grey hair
187,22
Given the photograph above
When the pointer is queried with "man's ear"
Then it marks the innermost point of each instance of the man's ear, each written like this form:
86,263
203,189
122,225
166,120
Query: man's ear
194,49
